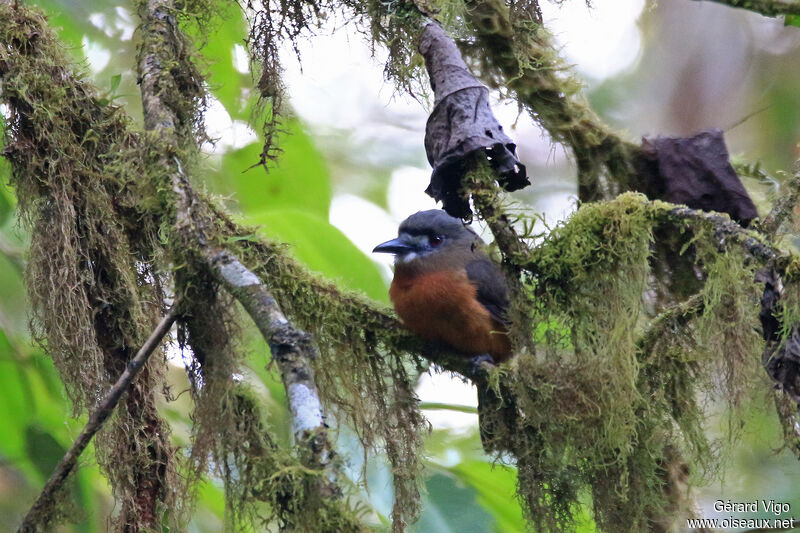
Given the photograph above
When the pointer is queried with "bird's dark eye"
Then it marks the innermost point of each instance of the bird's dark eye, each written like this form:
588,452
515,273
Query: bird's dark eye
435,240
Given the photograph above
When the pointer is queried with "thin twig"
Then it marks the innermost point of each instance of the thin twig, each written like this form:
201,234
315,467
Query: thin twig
784,206
768,8
31,522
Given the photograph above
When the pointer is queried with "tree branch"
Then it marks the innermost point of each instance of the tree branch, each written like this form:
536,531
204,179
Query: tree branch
725,231
32,522
291,349
768,8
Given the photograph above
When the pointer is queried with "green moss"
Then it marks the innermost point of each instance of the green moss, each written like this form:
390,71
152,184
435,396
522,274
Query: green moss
729,324
609,403
605,405
71,168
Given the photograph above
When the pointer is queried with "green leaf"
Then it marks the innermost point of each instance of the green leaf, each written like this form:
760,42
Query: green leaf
43,449
323,248
225,81
792,20
13,297
14,403
436,406
299,178
451,507
496,488
7,198
115,80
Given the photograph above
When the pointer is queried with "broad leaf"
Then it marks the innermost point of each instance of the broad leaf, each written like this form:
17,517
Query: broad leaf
323,248
299,178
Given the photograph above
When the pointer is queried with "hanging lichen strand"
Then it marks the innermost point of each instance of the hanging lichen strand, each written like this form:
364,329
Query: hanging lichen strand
75,177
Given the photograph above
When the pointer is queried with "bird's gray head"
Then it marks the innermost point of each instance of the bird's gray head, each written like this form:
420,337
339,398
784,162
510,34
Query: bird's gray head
426,233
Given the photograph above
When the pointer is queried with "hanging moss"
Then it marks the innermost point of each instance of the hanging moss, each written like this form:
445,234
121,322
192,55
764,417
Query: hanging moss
729,325
608,406
359,372
274,22
86,273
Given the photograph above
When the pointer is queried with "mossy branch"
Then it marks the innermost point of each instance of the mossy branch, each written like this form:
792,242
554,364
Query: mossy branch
38,517
725,232
293,351
71,164
768,8
515,54
195,229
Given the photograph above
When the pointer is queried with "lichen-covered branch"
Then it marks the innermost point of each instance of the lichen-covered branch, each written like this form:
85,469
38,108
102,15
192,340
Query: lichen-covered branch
38,518
194,227
768,8
172,102
293,351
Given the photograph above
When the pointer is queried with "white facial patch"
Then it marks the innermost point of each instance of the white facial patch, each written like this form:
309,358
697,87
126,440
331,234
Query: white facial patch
407,258
420,245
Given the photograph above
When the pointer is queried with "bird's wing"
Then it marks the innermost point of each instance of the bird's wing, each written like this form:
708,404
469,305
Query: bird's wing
491,286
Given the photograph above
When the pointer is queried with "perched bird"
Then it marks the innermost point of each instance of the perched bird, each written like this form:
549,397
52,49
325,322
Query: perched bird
446,289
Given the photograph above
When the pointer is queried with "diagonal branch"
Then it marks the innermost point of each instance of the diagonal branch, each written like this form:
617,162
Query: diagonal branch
291,349
35,520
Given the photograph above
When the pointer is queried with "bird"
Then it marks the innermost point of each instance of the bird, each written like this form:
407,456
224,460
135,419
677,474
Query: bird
446,289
